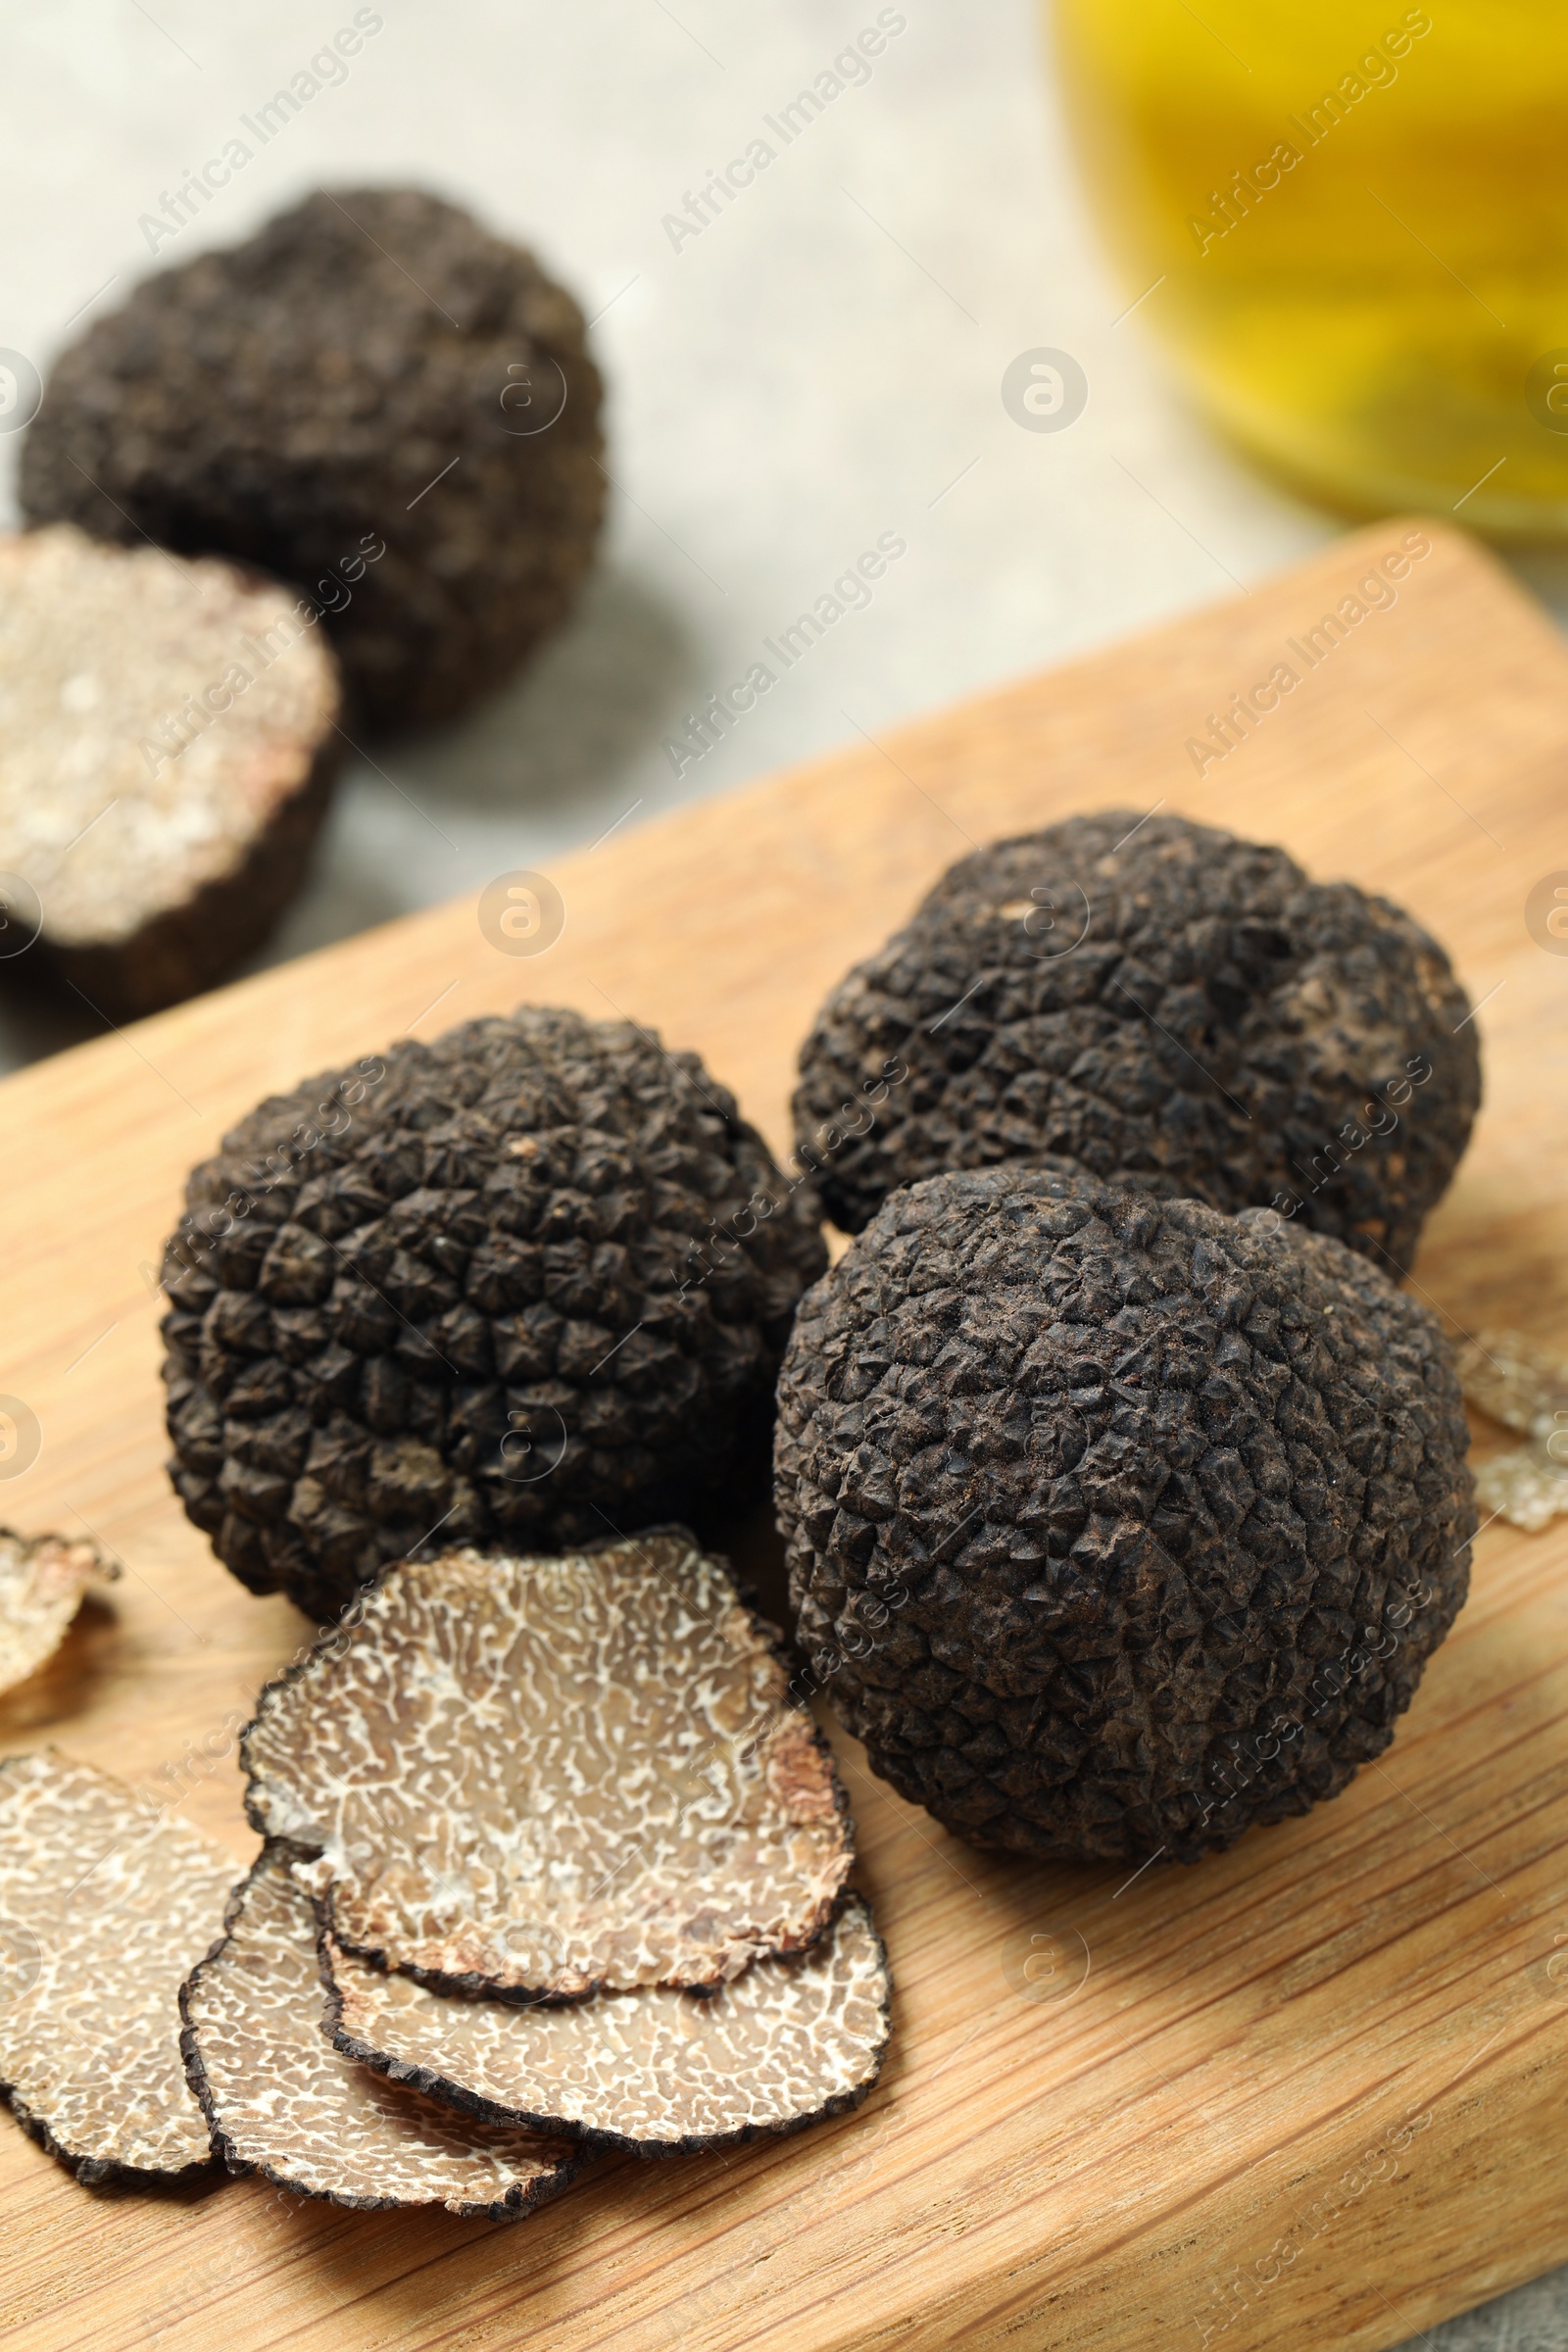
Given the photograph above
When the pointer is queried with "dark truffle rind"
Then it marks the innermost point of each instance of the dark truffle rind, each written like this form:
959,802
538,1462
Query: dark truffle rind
1116,1525
482,1291
293,398
1156,994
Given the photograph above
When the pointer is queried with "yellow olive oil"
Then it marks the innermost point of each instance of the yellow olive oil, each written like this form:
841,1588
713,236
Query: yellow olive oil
1349,225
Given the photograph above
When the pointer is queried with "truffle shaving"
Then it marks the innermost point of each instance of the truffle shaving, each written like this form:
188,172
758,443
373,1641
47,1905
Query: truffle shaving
1522,1385
42,1580
283,2102
551,1776
659,2071
103,1910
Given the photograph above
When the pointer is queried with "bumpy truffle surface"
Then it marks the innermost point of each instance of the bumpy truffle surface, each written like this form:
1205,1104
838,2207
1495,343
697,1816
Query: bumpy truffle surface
537,1777
1116,1525
481,1290
1154,995
104,1906
282,2101
294,399
657,2071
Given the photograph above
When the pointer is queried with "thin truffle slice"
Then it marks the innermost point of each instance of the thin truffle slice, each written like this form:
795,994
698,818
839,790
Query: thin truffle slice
283,2102
42,1580
659,2071
104,1907
167,744
544,1777
1521,1385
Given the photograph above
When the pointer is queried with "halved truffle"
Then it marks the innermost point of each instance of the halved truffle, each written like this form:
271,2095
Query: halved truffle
168,740
43,1581
547,1776
490,1289
283,2102
372,396
658,2071
1115,1523
1145,993
104,1905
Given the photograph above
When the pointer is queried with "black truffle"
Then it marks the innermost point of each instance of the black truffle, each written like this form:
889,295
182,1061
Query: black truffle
1154,996
1116,1525
488,1289
293,400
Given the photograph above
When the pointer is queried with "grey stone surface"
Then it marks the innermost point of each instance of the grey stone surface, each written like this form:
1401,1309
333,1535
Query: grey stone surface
823,363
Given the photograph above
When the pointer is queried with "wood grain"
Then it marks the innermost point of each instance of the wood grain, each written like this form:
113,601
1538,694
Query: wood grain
1308,2092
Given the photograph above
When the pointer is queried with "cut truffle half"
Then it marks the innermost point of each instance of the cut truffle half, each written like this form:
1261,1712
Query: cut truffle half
372,396
283,2102
42,1582
1140,992
658,2071
167,742
104,1905
1114,1524
544,1777
526,1286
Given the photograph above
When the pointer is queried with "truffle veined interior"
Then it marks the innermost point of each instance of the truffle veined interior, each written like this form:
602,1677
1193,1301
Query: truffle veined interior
156,715
657,2070
281,2099
42,1580
104,1905
546,1775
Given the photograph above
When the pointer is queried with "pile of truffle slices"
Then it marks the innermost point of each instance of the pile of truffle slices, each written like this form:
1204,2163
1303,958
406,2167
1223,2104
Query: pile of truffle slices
549,1866
422,519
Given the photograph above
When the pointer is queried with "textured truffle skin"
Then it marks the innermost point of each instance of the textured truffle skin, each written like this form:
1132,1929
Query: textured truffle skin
471,1290
290,398
1186,1002
1116,1525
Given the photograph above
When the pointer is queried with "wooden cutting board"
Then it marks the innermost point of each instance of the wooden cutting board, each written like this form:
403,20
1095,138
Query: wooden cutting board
1310,2092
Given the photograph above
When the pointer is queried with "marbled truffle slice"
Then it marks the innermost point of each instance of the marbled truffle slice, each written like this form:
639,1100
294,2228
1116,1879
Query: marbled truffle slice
552,1775
167,742
657,2071
104,1905
284,2102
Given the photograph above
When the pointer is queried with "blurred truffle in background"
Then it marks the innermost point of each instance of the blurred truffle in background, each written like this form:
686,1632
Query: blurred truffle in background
373,398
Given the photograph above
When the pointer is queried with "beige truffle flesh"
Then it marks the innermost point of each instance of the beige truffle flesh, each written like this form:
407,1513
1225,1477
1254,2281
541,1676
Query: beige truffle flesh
659,2071
554,1776
104,1905
167,742
282,2101
43,1581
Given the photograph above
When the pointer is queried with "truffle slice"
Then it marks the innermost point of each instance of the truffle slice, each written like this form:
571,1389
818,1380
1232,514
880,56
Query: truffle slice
1142,992
1522,1385
42,1580
372,396
522,1287
1116,1525
659,2071
104,1907
283,2102
167,742
544,1777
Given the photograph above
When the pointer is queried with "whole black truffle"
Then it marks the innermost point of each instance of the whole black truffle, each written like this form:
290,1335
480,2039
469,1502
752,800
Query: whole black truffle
1156,995
487,1290
293,400
1116,1525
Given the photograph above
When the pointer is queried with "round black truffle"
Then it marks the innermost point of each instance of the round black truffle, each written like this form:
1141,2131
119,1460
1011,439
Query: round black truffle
1154,996
527,1284
1116,1525
293,400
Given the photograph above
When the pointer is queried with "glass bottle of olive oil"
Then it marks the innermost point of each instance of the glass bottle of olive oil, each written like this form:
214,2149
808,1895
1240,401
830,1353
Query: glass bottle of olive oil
1349,223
